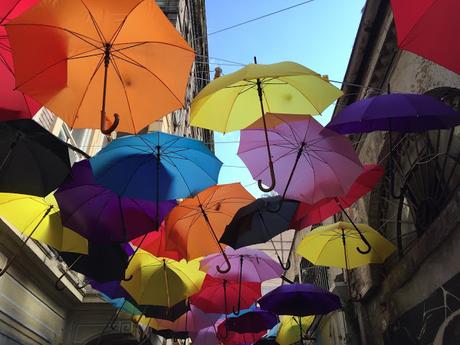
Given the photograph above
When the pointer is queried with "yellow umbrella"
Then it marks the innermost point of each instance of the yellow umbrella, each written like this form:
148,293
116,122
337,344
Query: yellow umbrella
161,281
291,327
234,101
39,218
336,245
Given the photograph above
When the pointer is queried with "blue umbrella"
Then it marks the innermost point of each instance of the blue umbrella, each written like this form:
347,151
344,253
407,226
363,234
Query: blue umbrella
156,166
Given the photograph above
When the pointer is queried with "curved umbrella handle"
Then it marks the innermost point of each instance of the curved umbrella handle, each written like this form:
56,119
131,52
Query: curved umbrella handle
108,131
286,266
366,242
227,262
127,279
272,176
56,283
80,287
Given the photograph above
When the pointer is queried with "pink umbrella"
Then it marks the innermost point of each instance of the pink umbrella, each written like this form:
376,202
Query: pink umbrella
206,336
13,104
248,265
311,163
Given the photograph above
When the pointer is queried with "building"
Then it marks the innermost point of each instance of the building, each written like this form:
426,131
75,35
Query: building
32,311
414,298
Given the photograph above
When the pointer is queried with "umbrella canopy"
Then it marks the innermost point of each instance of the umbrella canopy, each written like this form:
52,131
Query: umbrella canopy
406,113
122,304
111,289
220,296
161,281
40,219
258,223
206,336
429,28
287,87
235,338
334,245
308,214
196,224
310,162
160,312
251,320
156,166
100,214
104,262
299,300
290,328
32,160
13,103
99,56
155,244
251,265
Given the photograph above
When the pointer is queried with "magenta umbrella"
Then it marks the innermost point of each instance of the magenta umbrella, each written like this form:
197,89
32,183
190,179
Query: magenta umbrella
311,163
13,104
248,265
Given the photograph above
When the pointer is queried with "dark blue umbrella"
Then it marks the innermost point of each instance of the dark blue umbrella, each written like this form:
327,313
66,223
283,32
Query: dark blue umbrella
156,166
251,320
299,300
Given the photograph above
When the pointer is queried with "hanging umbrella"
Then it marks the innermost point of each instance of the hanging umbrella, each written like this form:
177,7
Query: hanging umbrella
252,320
307,214
311,162
39,218
288,332
122,304
270,337
156,166
259,222
101,56
32,160
155,244
13,103
220,296
235,338
196,224
100,214
161,281
397,112
248,265
242,97
429,28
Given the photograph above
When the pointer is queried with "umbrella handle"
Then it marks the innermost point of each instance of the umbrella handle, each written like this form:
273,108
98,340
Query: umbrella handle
127,279
273,179
287,280
108,131
366,242
56,283
227,261
240,280
286,266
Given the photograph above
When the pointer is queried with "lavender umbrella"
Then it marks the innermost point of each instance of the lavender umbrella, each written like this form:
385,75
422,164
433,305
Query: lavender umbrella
249,265
102,215
310,162
397,112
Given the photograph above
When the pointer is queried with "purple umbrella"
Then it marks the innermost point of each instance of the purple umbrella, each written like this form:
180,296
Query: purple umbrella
250,321
398,112
99,214
249,265
311,163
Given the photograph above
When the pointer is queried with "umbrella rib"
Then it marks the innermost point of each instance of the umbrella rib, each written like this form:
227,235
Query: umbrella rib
117,71
117,31
196,164
127,59
96,26
136,44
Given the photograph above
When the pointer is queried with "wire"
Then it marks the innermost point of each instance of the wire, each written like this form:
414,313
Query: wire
257,18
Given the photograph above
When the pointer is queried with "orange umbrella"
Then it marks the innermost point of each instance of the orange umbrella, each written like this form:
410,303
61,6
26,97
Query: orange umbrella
196,224
81,57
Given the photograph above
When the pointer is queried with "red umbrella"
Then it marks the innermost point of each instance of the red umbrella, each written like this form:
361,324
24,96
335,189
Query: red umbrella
309,214
429,28
235,338
155,243
13,104
220,296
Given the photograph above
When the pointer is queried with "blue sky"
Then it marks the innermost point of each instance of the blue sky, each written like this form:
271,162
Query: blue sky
319,35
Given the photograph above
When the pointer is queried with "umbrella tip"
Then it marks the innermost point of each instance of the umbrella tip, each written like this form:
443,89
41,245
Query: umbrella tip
217,72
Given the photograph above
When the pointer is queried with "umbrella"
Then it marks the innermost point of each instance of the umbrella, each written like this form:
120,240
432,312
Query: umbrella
241,97
270,337
32,160
429,28
101,55
249,265
235,338
288,332
206,336
161,281
307,214
259,222
100,214
311,162
252,320
196,224
156,166
155,244
13,103
299,300
39,218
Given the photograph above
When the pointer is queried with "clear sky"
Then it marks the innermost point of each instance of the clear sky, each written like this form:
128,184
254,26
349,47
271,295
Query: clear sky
319,35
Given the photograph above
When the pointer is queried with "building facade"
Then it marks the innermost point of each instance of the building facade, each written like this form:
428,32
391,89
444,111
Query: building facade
414,297
32,311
